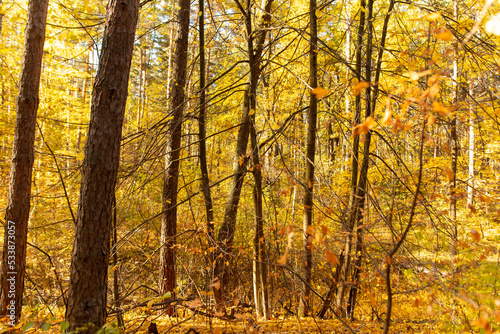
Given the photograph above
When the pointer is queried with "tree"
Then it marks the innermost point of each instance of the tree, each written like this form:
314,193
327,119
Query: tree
225,236
171,175
18,206
90,257
310,154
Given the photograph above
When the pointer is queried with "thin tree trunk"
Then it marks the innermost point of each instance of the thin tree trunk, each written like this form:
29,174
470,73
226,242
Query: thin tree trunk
259,243
116,284
202,130
226,232
90,257
354,170
454,152
167,281
1,17
304,302
470,183
18,203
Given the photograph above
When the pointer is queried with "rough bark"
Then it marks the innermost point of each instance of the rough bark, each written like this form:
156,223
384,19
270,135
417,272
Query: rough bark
18,203
304,302
225,235
167,281
90,257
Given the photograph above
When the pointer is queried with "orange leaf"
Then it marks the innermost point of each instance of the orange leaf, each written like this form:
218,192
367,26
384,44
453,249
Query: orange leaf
443,34
331,258
475,235
449,173
320,92
282,260
440,108
357,88
324,229
364,127
216,284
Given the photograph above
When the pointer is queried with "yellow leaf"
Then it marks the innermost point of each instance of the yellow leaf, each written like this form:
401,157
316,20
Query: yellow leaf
310,230
387,117
433,16
440,108
431,119
449,173
357,88
364,127
475,235
320,92
414,76
331,258
443,34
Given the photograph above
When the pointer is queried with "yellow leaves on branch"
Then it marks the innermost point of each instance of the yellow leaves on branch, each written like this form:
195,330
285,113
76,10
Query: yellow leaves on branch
320,92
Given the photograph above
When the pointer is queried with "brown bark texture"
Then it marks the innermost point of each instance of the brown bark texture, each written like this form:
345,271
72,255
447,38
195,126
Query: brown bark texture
171,175
304,302
90,257
18,203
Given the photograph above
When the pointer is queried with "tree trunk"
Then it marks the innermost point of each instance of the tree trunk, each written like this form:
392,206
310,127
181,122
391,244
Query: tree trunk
1,17
116,284
304,302
226,232
167,281
470,183
18,203
90,257
202,130
454,152
348,225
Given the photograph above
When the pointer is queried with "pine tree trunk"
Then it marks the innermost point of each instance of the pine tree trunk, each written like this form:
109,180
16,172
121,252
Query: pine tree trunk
90,257
167,281
304,302
18,203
